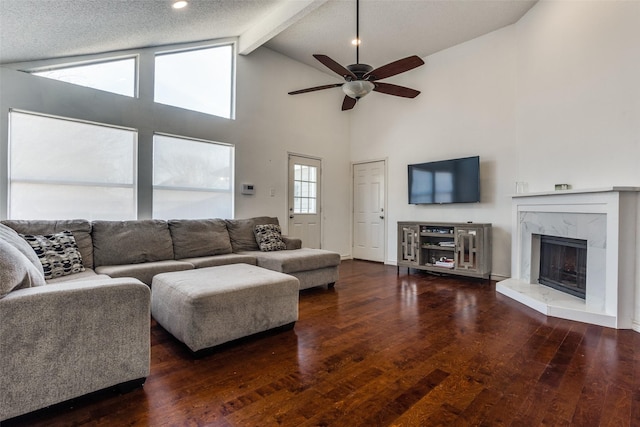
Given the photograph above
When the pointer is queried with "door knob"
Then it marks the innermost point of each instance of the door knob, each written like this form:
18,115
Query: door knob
381,216
291,216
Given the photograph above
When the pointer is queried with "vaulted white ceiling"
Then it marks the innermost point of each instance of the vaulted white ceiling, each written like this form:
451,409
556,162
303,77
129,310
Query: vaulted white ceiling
389,29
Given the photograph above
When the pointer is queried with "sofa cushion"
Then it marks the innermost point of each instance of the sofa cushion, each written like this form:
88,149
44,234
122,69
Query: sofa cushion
241,232
57,252
131,242
81,229
12,237
144,271
199,237
269,237
297,260
16,271
216,260
87,274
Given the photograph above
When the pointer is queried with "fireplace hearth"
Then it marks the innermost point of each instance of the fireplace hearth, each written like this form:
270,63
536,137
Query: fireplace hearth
563,264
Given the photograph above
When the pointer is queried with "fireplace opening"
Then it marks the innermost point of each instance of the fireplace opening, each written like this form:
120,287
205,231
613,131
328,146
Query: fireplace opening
563,264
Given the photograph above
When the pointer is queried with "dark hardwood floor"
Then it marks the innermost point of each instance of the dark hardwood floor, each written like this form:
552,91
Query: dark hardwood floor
383,349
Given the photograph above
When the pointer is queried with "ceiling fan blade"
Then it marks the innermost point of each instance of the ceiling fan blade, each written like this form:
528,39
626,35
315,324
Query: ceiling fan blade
334,66
396,90
312,89
348,103
393,68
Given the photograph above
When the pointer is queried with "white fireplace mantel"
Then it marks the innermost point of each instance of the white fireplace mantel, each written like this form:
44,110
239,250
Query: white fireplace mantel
607,219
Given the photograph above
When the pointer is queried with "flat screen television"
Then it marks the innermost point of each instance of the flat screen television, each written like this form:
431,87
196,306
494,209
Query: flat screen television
445,181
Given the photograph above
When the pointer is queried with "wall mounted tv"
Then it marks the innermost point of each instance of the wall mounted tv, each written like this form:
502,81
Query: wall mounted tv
445,181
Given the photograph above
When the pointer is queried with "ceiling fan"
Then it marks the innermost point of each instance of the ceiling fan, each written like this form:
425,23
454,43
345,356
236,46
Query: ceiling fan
361,79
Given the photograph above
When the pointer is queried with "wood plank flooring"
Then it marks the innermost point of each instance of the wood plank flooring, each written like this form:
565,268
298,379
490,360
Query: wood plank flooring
383,349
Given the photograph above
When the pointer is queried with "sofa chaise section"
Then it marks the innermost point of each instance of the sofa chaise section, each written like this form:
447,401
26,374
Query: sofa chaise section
312,267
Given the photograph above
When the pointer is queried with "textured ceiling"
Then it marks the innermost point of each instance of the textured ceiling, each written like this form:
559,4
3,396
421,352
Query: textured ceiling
43,29
389,29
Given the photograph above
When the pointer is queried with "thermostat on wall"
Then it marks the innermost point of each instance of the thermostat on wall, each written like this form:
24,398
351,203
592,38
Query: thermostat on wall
248,189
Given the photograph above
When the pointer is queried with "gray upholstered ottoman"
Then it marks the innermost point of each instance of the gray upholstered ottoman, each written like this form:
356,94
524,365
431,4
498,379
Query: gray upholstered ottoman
206,307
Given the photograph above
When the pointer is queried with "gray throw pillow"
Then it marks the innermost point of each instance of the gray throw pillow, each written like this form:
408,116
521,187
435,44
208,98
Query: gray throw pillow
16,271
57,252
81,229
13,238
269,238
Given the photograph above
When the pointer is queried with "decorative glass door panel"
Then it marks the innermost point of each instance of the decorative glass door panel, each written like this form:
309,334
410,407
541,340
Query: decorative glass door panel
304,189
467,249
409,244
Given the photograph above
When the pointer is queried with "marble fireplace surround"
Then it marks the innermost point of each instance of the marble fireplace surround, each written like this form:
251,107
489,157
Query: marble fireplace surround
607,220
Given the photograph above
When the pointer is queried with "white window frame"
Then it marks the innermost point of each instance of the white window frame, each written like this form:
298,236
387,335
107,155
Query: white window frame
232,77
133,185
230,191
101,60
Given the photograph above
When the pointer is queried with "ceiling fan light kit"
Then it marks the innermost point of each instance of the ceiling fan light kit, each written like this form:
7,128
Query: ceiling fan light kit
179,4
361,79
356,89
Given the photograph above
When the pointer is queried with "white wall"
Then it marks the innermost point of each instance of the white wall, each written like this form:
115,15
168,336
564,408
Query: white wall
554,98
269,124
578,98
466,108
273,124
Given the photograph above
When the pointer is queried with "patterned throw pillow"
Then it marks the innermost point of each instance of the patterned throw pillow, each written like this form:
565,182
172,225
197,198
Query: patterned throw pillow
269,237
57,252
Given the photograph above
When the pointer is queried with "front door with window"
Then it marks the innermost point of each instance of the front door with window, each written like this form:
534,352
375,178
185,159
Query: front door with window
304,200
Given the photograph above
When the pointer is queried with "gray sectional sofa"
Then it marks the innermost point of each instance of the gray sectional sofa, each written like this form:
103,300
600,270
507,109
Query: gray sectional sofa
89,330
66,337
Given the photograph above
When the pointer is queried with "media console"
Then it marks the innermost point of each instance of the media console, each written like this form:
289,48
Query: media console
446,247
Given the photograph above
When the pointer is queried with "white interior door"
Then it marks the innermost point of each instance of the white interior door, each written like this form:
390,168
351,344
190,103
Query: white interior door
304,200
368,210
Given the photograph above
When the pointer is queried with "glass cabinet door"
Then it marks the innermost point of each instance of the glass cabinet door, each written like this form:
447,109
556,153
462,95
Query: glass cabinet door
467,248
410,244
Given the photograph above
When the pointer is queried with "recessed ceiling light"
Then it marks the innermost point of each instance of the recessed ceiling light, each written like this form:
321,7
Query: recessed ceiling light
179,4
356,42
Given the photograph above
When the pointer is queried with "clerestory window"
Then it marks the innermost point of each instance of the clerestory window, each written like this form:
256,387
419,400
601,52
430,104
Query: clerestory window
199,80
117,75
